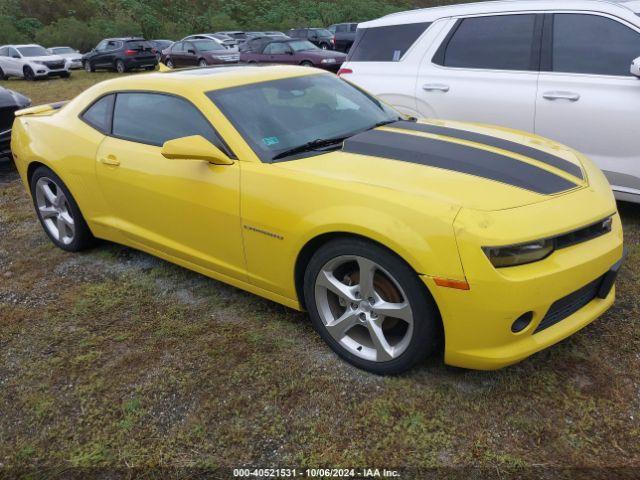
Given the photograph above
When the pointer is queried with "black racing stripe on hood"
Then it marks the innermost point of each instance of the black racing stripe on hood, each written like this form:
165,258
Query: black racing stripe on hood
456,157
508,145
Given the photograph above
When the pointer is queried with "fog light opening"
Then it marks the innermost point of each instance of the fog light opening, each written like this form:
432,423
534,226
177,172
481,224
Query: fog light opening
522,322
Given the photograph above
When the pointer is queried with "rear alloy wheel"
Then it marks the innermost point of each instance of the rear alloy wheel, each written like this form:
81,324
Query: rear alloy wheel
29,74
58,212
202,63
120,68
306,63
370,306
88,68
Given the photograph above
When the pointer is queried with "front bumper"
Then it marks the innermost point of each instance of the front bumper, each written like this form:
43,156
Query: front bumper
478,322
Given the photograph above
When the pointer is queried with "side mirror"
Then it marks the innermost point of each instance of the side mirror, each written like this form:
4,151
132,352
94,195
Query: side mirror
191,51
16,56
635,67
195,147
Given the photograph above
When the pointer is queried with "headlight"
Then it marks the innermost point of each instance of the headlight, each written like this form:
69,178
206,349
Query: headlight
328,60
513,255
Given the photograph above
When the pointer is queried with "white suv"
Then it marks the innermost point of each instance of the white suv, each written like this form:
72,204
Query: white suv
31,62
565,70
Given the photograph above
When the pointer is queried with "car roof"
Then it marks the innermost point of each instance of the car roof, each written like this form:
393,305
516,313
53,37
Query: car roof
124,39
621,7
205,79
23,45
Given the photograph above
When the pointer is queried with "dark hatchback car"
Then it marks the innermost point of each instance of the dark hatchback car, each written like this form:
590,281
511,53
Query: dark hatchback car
10,101
197,53
296,52
121,55
344,34
321,37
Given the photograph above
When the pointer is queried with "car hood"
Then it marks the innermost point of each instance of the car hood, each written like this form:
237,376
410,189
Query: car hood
322,54
468,165
9,98
70,56
45,58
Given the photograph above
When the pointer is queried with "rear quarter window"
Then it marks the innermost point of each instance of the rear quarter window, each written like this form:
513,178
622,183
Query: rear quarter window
385,44
98,115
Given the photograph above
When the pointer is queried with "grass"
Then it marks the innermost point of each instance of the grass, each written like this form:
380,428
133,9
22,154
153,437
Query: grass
112,358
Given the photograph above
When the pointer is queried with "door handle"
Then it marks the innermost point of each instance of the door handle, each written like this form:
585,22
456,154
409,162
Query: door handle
570,96
110,160
435,87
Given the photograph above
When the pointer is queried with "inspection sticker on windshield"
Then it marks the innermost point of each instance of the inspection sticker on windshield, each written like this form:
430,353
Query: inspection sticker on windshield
268,141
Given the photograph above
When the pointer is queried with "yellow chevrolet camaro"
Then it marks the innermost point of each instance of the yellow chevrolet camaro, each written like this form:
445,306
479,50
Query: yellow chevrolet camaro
394,234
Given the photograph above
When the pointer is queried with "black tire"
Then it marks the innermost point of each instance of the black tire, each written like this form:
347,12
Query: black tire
120,66
169,63
82,235
2,75
29,74
88,67
306,63
65,75
202,63
426,318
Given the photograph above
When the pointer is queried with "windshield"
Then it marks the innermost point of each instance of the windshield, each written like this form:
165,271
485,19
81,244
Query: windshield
302,46
323,32
279,115
208,45
33,52
63,50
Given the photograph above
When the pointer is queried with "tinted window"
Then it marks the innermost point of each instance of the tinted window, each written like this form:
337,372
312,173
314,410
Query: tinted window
385,44
593,44
500,42
98,115
4,51
177,47
138,45
173,117
207,45
353,27
13,52
33,51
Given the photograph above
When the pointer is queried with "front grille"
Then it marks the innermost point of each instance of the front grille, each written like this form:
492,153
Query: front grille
54,65
567,306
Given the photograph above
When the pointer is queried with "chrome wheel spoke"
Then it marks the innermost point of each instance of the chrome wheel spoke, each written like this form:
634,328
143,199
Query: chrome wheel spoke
48,212
48,193
330,282
367,272
339,327
394,310
384,351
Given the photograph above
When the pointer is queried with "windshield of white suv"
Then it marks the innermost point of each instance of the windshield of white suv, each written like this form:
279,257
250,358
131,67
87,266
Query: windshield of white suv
288,118
302,46
33,51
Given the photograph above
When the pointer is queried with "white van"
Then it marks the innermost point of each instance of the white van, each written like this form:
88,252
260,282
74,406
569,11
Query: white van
567,70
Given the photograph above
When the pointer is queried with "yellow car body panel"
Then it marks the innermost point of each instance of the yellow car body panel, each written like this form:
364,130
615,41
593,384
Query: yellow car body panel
248,223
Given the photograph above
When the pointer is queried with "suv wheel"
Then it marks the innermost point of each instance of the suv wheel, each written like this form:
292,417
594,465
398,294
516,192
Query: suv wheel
2,75
369,306
120,67
88,67
29,73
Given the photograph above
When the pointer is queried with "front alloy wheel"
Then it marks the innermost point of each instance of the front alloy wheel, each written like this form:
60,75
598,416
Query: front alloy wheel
370,306
364,308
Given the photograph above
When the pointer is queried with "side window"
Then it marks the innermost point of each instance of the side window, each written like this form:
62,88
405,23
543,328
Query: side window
189,48
173,117
385,44
502,42
98,115
593,44
276,48
353,27
342,28
14,53
177,47
4,52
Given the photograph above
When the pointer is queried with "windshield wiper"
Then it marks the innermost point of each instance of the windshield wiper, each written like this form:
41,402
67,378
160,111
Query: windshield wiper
312,145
